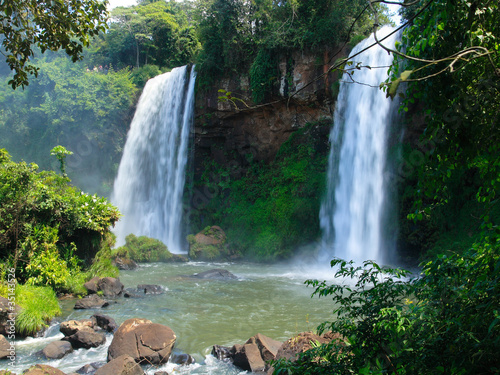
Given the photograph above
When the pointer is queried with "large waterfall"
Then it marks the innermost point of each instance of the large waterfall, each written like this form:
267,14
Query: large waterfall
149,187
352,213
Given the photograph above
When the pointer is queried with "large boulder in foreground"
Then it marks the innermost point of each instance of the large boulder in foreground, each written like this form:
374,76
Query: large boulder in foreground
122,365
251,356
43,370
209,244
142,340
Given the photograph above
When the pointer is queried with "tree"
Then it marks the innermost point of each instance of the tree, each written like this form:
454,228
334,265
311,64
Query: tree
48,25
60,153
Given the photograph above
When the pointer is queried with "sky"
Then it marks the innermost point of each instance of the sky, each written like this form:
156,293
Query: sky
121,3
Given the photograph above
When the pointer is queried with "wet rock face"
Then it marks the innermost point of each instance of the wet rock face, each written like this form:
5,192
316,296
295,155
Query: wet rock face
142,340
123,365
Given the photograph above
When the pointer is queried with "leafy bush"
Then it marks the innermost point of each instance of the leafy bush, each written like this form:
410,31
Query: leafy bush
144,249
445,321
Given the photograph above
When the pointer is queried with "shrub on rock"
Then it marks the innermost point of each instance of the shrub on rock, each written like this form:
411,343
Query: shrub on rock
209,244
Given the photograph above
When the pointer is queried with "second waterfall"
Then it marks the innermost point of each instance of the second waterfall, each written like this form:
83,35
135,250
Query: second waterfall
353,211
149,186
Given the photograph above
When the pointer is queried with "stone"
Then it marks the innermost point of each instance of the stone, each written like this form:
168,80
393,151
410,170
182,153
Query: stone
90,369
43,370
143,340
86,339
182,359
122,365
8,311
215,274
248,357
150,289
92,301
7,372
92,286
267,346
4,347
57,349
125,264
222,353
70,327
105,322
110,286
299,344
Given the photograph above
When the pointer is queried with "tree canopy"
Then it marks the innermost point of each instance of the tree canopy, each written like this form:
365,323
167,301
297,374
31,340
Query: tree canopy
48,25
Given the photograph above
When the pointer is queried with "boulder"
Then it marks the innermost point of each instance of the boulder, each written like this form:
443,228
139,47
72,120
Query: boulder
215,274
105,322
209,244
248,357
70,327
7,372
143,340
122,365
92,301
91,285
222,353
4,347
150,289
90,369
267,346
110,286
182,359
43,370
125,264
86,339
299,344
57,349
8,311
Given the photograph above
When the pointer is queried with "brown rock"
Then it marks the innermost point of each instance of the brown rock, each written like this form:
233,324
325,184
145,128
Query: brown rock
86,339
70,327
212,236
57,349
267,346
8,310
299,344
4,347
91,285
110,286
92,301
122,365
105,322
43,370
143,340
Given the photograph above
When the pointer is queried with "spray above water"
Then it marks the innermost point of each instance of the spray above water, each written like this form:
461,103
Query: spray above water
149,186
352,213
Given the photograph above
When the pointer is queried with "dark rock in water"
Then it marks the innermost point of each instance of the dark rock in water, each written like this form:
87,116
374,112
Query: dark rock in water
122,365
70,327
222,353
92,286
57,349
110,286
43,370
161,373
90,369
132,293
150,289
90,302
105,322
143,340
86,339
215,274
182,359
125,264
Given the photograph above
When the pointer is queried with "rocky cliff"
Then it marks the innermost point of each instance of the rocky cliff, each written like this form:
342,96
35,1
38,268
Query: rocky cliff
235,131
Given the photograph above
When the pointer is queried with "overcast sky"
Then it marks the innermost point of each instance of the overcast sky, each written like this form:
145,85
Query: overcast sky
121,3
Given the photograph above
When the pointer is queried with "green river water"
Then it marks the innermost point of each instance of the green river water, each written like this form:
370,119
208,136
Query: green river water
267,299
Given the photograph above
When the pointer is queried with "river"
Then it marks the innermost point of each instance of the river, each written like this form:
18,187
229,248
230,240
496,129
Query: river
266,298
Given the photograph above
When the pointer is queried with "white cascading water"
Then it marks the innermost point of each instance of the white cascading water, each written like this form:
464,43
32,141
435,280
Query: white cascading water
351,215
149,187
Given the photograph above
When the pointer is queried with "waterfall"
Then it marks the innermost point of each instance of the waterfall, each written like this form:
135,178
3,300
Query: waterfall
149,187
352,212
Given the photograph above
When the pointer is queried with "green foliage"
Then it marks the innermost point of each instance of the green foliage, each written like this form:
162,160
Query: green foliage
102,264
453,185
144,249
84,109
263,75
25,24
445,321
141,75
273,208
60,153
46,225
39,305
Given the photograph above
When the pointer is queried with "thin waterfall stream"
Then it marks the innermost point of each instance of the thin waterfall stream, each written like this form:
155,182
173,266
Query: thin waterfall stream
149,187
352,213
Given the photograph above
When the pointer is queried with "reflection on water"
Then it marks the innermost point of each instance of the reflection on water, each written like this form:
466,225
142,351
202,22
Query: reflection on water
267,299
